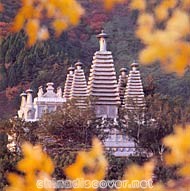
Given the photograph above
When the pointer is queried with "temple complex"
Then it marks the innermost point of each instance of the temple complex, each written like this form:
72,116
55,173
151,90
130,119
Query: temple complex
68,83
122,82
79,86
102,84
108,95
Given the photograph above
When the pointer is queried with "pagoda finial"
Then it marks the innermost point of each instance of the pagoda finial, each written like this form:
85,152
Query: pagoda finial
123,70
78,65
134,66
71,69
40,91
102,40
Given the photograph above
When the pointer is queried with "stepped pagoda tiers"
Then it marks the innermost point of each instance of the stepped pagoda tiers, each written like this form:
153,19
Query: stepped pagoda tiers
68,83
122,84
134,95
79,86
102,84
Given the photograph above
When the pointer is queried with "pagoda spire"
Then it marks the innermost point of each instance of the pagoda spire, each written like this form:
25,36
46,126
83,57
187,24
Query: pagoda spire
29,110
134,95
102,84
122,84
22,105
40,91
68,83
23,100
102,41
79,86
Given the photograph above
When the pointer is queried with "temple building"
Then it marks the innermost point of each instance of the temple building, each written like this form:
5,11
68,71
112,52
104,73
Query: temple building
79,86
68,83
48,101
102,84
45,102
134,95
122,82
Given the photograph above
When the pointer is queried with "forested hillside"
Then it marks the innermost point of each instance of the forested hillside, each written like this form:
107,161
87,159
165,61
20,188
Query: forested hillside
22,67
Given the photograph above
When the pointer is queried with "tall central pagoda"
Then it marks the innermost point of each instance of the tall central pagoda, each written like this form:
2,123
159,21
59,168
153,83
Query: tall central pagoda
102,84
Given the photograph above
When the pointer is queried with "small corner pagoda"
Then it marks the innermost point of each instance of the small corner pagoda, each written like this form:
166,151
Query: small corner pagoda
134,95
68,83
79,87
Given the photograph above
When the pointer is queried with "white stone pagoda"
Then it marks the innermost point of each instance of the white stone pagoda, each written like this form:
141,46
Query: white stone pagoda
102,84
68,83
79,87
134,95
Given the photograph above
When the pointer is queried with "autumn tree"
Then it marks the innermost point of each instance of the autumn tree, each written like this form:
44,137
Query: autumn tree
159,117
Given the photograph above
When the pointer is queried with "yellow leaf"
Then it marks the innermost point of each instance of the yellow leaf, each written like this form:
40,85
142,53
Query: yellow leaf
32,27
180,148
180,60
169,3
110,3
146,20
51,9
138,173
59,26
186,4
161,12
139,5
27,11
179,22
148,55
35,165
18,23
89,165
